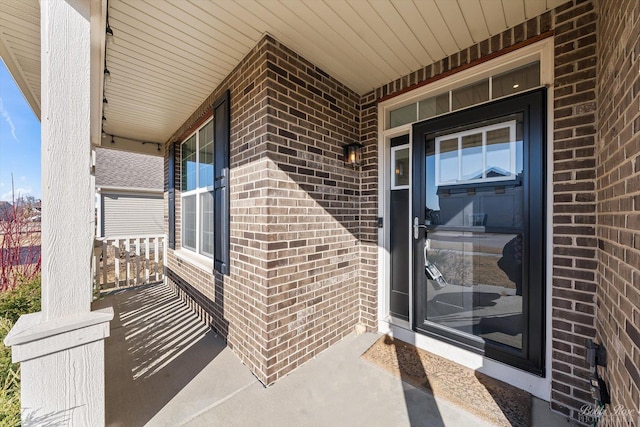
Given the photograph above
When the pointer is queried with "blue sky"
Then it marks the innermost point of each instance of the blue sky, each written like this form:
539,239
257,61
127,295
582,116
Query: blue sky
19,141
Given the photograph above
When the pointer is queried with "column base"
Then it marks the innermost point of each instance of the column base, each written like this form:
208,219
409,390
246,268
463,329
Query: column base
62,367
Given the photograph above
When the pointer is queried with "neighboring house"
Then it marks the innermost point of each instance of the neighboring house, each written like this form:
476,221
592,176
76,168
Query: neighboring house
130,193
288,245
5,210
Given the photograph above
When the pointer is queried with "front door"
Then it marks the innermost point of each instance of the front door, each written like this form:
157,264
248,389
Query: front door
478,229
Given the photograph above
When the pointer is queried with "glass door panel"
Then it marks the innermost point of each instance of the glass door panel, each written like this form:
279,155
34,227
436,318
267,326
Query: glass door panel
478,213
474,240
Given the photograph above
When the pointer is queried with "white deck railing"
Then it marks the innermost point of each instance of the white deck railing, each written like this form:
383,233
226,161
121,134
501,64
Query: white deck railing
123,261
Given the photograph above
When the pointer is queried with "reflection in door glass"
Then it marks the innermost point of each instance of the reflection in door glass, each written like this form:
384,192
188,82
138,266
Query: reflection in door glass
448,161
472,157
474,254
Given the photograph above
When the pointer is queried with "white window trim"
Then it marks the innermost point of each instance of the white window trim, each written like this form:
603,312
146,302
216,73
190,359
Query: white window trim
202,262
484,129
544,52
394,150
201,257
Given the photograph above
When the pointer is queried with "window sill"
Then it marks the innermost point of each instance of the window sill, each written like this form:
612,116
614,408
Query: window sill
203,263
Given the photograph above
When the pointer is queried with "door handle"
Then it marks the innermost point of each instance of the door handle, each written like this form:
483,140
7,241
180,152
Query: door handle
416,228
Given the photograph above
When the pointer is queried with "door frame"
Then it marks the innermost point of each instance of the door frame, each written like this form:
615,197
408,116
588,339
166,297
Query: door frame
544,52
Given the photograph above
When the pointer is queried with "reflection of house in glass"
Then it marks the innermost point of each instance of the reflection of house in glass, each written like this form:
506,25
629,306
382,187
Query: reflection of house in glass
489,204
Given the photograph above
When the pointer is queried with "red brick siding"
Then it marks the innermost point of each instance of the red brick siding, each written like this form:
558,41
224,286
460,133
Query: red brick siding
618,195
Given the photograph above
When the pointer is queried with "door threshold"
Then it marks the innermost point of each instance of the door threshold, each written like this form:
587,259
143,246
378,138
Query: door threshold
539,387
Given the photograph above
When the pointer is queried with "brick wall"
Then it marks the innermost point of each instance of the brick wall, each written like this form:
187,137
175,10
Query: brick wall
574,278
235,305
313,254
574,241
369,212
295,214
618,195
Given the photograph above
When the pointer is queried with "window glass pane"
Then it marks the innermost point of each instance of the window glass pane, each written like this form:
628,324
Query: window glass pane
472,156
427,108
189,222
517,80
442,103
470,95
448,164
433,106
402,115
401,167
498,153
206,156
189,164
206,223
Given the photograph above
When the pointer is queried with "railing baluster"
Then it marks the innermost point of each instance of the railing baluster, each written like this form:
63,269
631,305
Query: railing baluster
116,262
127,259
146,260
96,254
105,259
155,256
137,281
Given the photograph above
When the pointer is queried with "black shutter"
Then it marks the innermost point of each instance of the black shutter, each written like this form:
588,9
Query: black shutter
172,196
221,132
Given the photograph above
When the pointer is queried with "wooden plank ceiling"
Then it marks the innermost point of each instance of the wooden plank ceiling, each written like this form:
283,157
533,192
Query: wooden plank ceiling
166,56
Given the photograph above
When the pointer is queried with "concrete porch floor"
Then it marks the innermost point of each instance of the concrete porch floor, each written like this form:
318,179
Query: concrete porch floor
165,368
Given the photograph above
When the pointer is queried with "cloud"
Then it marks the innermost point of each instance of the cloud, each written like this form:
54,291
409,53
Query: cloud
20,192
5,115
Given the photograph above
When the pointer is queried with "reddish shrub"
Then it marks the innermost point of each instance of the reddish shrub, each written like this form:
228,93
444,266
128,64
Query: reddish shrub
19,247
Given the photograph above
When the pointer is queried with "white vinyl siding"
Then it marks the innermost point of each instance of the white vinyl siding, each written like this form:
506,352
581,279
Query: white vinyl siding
132,214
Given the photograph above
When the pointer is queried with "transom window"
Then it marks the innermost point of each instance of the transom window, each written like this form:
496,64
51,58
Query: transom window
197,191
493,87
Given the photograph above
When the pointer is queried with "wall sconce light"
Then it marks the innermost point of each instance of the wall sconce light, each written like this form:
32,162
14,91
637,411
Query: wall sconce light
353,154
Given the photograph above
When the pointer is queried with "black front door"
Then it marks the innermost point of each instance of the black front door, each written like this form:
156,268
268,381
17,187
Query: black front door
478,227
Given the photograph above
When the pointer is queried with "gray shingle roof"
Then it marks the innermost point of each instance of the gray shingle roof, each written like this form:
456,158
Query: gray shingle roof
128,170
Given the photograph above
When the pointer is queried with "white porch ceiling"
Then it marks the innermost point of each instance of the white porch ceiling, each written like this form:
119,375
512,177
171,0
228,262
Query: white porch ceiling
20,46
168,55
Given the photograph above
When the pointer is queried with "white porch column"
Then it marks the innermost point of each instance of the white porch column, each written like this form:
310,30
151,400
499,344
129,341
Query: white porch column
61,348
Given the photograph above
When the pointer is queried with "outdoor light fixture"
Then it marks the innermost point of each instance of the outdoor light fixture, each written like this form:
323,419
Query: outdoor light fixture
353,154
112,141
107,73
